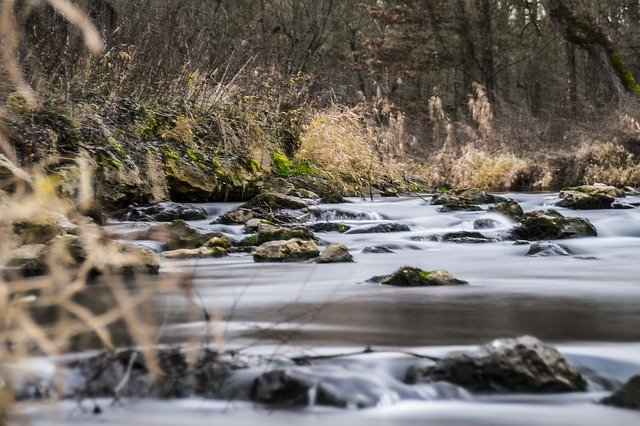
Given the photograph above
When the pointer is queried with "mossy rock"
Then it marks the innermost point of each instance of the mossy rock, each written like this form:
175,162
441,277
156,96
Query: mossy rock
329,227
175,235
509,208
235,217
293,250
335,253
38,230
551,225
276,234
628,396
468,196
274,200
219,241
578,200
522,365
199,253
414,277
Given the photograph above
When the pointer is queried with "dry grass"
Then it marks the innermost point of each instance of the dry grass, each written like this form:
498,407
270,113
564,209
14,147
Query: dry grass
339,143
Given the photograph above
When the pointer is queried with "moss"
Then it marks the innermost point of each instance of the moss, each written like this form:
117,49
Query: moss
342,228
109,161
624,74
283,167
115,145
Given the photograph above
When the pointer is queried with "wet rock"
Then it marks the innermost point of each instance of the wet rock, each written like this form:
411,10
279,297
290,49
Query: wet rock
274,201
283,387
258,225
588,197
522,365
466,197
329,227
459,208
462,237
212,372
38,230
628,396
219,241
235,217
381,228
414,277
127,259
286,251
165,212
276,234
292,388
622,206
175,235
377,250
333,199
389,191
545,249
485,224
551,225
303,193
199,253
509,208
335,253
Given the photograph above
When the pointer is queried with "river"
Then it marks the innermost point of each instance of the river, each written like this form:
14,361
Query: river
587,304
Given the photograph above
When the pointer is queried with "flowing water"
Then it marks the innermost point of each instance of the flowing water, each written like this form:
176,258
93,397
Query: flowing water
588,304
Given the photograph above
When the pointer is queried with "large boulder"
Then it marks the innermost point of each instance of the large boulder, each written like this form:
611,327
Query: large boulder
286,251
335,253
235,217
175,235
551,225
415,277
522,365
165,212
588,197
458,197
628,396
24,262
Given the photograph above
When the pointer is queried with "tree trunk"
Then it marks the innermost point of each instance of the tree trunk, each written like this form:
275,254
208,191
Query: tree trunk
590,37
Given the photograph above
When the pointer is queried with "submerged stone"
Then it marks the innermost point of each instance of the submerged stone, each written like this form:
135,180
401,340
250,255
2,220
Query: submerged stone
628,396
448,208
545,249
286,251
381,229
414,277
522,365
329,227
377,250
235,217
485,224
274,200
462,237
